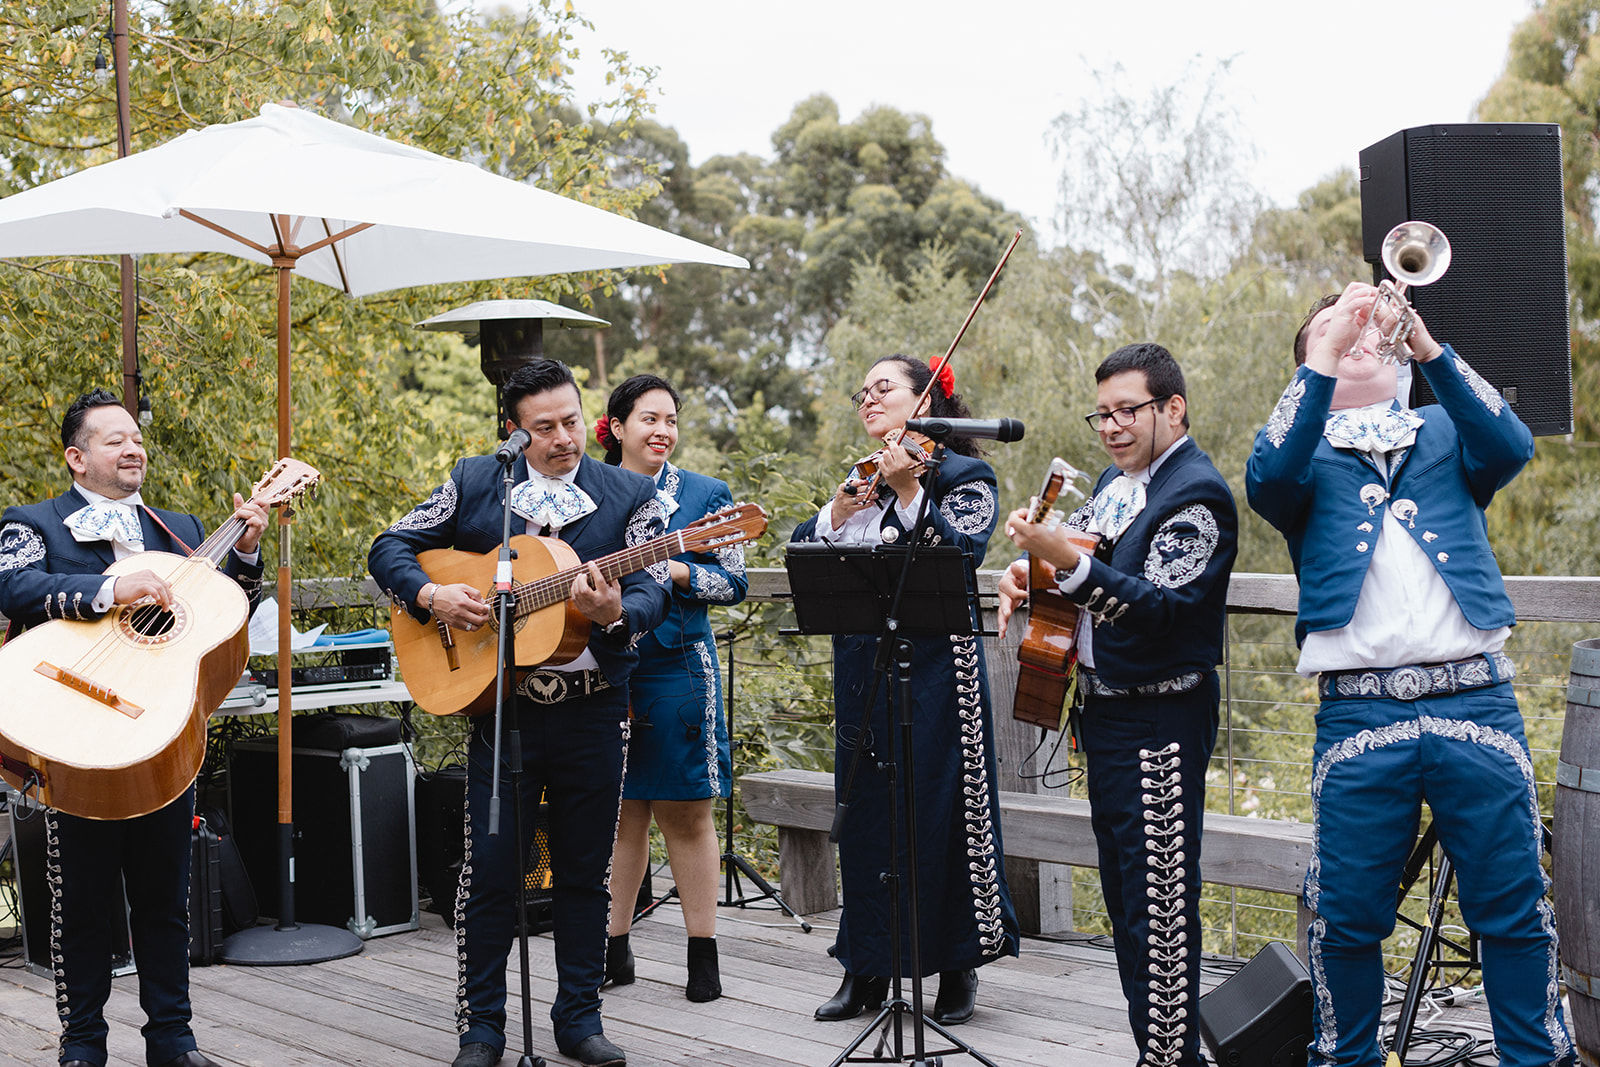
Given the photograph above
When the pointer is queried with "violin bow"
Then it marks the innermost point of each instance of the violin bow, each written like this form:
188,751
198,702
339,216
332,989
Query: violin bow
951,351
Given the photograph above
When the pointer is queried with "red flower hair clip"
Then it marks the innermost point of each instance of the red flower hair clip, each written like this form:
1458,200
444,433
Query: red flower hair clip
602,432
946,377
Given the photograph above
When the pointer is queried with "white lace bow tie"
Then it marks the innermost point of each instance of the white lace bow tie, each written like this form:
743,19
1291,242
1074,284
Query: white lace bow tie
1116,506
546,501
668,501
105,520
1368,430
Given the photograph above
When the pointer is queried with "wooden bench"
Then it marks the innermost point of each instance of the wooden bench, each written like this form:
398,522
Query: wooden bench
1263,854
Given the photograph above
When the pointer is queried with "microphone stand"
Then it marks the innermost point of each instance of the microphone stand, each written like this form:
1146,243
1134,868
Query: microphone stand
508,733
892,643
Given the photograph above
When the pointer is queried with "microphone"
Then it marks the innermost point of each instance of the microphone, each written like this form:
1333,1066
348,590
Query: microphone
508,452
1003,430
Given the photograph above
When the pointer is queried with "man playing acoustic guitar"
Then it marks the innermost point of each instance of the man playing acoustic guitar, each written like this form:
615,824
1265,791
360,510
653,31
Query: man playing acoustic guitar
52,555
573,718
1149,640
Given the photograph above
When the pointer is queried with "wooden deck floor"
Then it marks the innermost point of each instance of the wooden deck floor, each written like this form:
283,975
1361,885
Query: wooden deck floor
392,1005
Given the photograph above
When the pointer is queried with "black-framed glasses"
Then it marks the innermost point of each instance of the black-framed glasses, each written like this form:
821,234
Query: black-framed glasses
876,391
1121,416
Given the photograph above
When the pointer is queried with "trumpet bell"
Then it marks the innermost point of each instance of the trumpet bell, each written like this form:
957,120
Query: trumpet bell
1416,253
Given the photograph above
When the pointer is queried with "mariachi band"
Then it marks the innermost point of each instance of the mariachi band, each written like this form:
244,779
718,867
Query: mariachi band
618,713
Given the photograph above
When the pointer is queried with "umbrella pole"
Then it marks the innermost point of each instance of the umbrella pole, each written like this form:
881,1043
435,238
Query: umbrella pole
289,942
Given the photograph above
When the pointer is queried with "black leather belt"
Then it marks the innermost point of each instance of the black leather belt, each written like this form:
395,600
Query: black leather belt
553,687
1181,684
1419,680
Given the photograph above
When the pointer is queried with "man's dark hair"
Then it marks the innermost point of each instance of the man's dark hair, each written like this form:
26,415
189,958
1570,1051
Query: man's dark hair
1305,324
623,398
1162,375
78,411
531,379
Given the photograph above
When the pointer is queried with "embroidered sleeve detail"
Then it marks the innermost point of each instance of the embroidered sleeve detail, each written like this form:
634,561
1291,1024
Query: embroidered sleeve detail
20,546
432,511
648,521
1080,519
713,586
970,508
1182,547
1283,415
1487,394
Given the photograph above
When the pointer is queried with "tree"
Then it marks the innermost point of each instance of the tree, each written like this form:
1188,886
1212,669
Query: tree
492,90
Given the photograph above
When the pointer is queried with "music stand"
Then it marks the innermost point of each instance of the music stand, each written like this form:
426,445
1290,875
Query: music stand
862,589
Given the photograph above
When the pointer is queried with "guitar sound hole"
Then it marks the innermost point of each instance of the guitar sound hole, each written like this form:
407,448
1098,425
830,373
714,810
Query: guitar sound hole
151,622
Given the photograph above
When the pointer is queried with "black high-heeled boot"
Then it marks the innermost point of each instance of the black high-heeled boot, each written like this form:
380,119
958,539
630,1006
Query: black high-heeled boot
705,983
958,996
855,995
619,961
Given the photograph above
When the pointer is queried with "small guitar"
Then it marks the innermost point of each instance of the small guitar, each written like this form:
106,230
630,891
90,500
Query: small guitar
1048,653
452,672
107,719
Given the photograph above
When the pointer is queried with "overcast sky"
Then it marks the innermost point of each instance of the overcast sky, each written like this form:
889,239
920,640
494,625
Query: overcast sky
1314,82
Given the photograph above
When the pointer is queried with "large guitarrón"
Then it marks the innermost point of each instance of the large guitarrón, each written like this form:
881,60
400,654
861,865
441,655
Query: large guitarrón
107,719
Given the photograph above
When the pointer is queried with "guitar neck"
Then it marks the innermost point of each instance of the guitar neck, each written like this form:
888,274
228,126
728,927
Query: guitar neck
555,588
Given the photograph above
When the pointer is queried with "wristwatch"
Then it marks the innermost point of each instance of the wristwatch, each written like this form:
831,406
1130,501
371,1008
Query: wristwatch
618,625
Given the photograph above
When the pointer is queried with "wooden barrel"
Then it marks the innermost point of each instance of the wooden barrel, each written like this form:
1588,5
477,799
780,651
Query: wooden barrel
1577,850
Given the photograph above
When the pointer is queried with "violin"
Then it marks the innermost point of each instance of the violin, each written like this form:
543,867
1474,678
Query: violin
916,445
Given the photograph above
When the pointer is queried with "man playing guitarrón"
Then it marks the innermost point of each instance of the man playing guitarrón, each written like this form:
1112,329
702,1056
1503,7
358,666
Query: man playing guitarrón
52,555
573,719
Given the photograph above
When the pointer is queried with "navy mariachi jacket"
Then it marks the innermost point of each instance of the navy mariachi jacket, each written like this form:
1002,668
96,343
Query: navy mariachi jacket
1160,602
714,577
46,573
961,513
465,513
1325,500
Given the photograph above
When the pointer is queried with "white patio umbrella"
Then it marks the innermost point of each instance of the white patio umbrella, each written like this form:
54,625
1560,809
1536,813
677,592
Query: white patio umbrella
338,206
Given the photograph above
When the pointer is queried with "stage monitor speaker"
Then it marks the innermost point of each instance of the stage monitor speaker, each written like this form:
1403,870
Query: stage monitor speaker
1494,188
1261,1017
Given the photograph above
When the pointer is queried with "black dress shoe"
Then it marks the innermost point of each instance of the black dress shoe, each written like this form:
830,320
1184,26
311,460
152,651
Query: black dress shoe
596,1051
192,1059
76,1063
958,995
476,1054
855,994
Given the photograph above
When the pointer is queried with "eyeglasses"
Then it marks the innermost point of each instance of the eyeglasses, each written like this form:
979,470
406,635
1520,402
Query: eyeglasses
876,391
1121,416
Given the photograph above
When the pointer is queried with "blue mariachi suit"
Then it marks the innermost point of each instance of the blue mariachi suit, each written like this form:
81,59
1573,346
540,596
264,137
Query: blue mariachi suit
1149,724
45,573
964,907
573,750
678,747
1378,754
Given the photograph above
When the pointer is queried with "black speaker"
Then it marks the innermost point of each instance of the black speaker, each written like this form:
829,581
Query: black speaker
1494,188
1261,1017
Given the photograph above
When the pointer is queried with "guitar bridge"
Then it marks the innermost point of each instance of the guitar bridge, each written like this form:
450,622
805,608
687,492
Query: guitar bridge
82,684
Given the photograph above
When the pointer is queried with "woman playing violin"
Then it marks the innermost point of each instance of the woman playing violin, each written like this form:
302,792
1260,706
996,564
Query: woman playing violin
965,909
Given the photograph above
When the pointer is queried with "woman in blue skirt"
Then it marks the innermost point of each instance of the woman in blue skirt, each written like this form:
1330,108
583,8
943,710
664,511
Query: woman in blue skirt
678,758
965,912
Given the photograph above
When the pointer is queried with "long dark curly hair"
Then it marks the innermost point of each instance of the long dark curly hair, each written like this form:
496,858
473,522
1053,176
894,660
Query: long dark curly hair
941,406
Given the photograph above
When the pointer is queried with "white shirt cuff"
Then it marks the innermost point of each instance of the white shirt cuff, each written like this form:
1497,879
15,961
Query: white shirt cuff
106,597
1070,581
825,530
251,558
907,510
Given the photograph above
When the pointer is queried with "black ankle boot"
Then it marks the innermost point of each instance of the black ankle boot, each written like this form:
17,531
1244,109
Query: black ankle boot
855,995
958,995
704,981
619,961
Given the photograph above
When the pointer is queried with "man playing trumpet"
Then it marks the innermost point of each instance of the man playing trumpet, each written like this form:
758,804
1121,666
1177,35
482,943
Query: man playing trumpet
1402,618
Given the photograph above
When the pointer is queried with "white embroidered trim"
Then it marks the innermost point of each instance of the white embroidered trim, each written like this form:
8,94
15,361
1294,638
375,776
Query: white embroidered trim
983,860
647,521
1166,883
463,890
432,511
1487,394
1283,414
969,508
20,546
1178,556
708,724
52,876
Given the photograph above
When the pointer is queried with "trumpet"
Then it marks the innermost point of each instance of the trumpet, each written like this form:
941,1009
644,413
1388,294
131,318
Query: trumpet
1414,253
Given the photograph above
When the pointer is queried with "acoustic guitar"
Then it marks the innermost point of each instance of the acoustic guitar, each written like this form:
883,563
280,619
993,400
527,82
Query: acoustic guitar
1048,653
107,719
452,672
